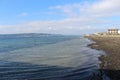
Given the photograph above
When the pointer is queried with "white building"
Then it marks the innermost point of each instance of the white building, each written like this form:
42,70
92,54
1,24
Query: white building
112,32
119,31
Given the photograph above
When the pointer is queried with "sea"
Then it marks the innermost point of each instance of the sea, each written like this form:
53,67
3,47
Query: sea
47,57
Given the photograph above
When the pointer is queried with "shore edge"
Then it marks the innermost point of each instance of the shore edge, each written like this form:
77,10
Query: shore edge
110,63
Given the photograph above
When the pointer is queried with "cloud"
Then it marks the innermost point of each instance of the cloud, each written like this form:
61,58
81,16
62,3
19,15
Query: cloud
104,8
79,18
66,26
96,9
23,14
68,9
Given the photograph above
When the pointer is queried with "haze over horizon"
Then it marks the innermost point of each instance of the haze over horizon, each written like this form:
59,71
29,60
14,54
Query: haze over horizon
58,16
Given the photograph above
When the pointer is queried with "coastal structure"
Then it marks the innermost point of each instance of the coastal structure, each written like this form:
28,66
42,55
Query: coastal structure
112,32
109,32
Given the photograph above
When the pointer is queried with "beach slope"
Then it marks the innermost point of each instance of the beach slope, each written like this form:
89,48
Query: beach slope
110,62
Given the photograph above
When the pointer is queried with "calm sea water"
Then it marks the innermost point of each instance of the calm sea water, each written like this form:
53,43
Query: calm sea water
51,57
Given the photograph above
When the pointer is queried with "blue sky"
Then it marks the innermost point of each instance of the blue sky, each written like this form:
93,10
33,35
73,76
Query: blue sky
15,11
58,16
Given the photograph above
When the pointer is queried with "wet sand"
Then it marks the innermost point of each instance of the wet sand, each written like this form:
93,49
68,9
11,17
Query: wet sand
110,62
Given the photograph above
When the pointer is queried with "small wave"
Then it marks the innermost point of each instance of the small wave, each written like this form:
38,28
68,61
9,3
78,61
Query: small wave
68,60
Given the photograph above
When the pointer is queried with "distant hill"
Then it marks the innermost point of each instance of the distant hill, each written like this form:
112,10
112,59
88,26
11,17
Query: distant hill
27,35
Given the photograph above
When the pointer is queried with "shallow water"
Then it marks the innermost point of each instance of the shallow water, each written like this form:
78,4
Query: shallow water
68,59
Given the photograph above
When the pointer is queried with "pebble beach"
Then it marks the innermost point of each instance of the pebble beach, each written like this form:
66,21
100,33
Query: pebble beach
110,61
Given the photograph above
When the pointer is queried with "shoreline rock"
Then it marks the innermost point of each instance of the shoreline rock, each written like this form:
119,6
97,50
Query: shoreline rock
110,63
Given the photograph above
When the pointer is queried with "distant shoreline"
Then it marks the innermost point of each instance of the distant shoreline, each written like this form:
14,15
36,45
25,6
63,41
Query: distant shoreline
110,62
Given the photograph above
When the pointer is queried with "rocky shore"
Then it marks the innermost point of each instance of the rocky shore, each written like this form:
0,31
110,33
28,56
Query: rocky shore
110,62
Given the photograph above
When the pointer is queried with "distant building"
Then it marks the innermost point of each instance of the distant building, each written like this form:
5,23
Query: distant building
112,32
118,31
